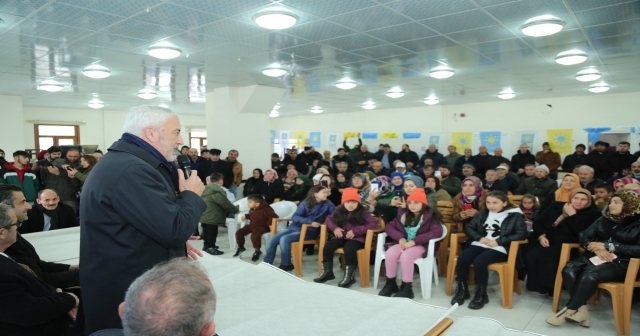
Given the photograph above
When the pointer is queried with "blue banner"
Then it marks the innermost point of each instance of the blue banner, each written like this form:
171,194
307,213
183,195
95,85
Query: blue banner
411,135
369,135
490,139
314,139
273,137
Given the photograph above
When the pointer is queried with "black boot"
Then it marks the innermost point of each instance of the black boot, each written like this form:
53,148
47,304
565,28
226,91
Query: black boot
480,298
256,255
310,249
327,272
461,294
240,250
406,290
389,288
349,277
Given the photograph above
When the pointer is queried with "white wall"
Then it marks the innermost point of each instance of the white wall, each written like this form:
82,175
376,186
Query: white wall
11,132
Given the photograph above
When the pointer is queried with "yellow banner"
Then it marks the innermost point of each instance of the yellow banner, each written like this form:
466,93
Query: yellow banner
350,134
461,140
300,137
561,141
390,135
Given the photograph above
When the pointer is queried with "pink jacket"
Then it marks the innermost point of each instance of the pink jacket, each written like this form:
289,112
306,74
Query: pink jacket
360,231
429,229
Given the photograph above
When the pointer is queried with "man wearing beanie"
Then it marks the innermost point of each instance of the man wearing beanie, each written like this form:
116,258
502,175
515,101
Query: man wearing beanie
539,185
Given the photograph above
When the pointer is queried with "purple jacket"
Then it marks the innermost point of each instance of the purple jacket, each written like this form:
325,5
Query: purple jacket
429,229
360,231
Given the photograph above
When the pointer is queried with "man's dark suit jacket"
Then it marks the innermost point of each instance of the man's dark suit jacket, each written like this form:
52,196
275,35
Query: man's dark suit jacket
66,218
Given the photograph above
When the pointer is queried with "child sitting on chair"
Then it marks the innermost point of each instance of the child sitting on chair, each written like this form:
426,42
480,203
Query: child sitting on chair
313,210
529,207
603,193
260,217
491,233
411,232
349,224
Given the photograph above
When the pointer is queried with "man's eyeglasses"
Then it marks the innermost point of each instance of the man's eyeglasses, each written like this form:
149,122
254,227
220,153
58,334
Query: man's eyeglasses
17,224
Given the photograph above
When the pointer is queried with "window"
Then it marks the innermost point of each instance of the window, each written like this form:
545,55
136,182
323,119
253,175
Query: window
56,135
198,139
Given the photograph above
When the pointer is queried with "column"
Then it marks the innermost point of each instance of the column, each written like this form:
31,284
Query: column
12,136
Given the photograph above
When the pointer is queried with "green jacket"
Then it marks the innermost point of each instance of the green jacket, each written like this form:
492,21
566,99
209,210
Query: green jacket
218,205
452,185
30,184
451,160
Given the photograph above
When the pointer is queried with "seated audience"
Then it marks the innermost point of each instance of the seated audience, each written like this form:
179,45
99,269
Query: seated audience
343,157
349,224
290,179
577,158
614,233
360,181
550,159
560,223
567,185
298,161
326,155
540,185
587,181
343,180
299,191
440,194
627,183
19,174
277,165
470,201
335,195
87,162
426,171
626,172
467,158
49,214
530,207
635,170
411,184
449,182
468,170
491,234
309,154
315,181
218,206
271,187
401,168
408,157
522,158
492,182
603,193
417,223
576,169
505,176
313,210
254,183
529,171
378,169
260,218
397,180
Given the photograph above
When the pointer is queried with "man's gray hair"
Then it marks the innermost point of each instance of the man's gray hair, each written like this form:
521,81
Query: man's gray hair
5,217
491,171
174,298
140,117
587,167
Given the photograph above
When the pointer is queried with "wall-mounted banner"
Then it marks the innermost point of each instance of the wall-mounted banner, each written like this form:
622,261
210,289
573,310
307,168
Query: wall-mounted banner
300,137
273,137
527,138
491,140
284,138
350,134
594,133
390,135
433,139
369,135
461,140
332,140
561,141
314,139
411,135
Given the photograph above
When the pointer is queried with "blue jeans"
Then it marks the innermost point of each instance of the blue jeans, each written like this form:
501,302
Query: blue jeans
283,238
234,191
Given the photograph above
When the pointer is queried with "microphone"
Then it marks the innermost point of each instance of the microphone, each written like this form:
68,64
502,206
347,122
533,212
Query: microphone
185,164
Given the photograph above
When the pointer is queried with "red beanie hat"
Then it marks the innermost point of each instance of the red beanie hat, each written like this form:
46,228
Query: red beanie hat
351,194
41,154
418,195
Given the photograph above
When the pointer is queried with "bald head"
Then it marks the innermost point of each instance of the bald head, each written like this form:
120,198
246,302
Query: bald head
48,198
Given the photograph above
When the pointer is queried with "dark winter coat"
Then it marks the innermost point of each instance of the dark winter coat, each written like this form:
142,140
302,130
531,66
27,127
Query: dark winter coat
537,187
437,157
461,161
512,228
205,169
360,156
346,158
410,156
572,160
359,231
599,162
66,219
625,236
617,161
519,160
272,190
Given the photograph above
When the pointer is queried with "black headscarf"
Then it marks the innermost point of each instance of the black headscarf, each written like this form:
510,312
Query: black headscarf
254,180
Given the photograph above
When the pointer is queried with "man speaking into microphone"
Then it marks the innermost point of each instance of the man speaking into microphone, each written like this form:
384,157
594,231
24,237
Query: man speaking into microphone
136,211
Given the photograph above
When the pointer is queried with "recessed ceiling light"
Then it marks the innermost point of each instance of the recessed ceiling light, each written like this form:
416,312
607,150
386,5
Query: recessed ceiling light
346,83
542,26
163,105
274,114
441,72
431,100
506,94
50,85
588,75
317,109
369,105
395,92
147,94
275,18
277,106
164,50
599,87
571,57
274,70
96,103
96,71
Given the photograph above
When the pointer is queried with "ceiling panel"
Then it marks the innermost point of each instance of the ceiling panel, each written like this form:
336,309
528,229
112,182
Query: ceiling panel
177,16
460,21
581,5
425,9
142,30
604,15
75,17
124,8
329,8
369,18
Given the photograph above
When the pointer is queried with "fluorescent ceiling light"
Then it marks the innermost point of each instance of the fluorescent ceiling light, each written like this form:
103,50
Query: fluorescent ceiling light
588,75
96,71
599,87
506,94
274,114
431,101
50,86
346,84
274,70
96,103
441,72
317,109
275,18
544,25
369,105
164,51
571,57
277,106
147,94
395,92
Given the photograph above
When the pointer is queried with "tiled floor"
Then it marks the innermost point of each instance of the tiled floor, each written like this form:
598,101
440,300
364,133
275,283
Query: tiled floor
529,309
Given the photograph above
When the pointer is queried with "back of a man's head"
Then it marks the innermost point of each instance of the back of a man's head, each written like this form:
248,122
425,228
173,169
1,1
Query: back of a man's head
140,117
174,298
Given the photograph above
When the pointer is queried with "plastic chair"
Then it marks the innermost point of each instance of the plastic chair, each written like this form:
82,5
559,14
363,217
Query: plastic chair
297,247
515,199
364,255
621,292
233,223
284,210
428,266
506,270
446,209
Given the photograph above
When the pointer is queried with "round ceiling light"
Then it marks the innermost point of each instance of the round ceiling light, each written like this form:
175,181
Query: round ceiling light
431,101
277,106
346,84
50,86
395,92
506,94
588,75
317,109
369,105
441,72
96,71
599,87
275,18
571,57
164,51
274,114
544,25
96,103
147,94
274,70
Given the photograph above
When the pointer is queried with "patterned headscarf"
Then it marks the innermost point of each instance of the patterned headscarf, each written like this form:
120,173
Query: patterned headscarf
386,187
564,195
476,181
630,208
625,181
274,175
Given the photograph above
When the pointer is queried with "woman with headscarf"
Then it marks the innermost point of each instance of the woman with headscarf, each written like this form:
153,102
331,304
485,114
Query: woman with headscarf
271,187
397,180
316,179
561,223
569,183
441,194
290,179
627,183
470,201
616,233
336,196
385,192
343,180
298,192
360,181
396,202
253,184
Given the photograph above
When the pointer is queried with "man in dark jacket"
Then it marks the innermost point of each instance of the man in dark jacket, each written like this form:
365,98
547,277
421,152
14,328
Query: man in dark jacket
510,181
577,158
356,148
452,157
343,157
448,182
60,181
362,158
497,159
622,158
599,160
521,159
54,153
466,158
540,185
587,181
378,169
139,211
309,154
19,173
409,157
215,165
493,183
433,154
387,157
483,160
49,214
298,161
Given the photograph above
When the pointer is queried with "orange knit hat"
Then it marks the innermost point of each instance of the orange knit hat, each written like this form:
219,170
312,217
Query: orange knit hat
418,195
350,194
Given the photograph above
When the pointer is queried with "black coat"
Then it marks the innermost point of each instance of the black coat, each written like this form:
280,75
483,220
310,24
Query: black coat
495,161
437,157
30,306
461,161
392,156
272,190
134,219
360,156
512,228
519,160
346,158
410,156
205,169
56,275
251,187
540,188
66,219
572,160
483,163
498,185
618,161
310,157
624,235
292,195
598,161
300,163
591,185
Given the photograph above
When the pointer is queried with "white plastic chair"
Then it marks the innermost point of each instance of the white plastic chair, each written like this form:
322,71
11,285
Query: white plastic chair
284,209
428,266
232,223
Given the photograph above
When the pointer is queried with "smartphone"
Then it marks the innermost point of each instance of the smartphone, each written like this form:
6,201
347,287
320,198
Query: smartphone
597,261
399,194
467,207
324,183
374,187
438,174
69,168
